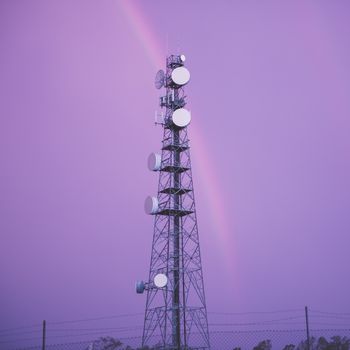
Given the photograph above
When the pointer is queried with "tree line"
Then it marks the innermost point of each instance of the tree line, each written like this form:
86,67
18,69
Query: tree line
321,343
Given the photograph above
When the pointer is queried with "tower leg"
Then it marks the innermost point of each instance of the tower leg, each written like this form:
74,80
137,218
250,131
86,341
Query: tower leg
176,292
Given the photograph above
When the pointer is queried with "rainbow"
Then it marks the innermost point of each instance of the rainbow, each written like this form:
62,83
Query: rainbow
204,165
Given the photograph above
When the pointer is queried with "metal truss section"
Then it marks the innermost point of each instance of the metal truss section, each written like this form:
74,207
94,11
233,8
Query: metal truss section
176,314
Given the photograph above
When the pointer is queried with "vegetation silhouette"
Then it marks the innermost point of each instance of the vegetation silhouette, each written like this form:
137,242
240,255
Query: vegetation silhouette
334,343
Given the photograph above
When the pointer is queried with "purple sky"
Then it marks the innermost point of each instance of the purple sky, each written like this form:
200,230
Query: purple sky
270,101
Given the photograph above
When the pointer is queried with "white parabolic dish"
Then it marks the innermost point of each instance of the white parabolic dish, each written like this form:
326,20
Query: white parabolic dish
154,161
181,117
151,205
160,280
180,75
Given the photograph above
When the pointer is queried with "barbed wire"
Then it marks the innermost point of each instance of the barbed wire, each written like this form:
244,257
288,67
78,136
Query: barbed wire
95,329
261,322
330,317
97,318
329,313
18,328
21,339
220,339
311,311
53,331
255,312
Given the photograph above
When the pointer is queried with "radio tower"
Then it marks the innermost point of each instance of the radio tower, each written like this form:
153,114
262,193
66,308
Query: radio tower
176,314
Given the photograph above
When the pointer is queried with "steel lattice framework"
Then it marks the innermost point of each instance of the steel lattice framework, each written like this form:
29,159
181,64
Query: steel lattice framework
175,315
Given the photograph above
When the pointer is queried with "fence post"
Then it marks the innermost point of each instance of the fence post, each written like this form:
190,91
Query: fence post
307,328
44,336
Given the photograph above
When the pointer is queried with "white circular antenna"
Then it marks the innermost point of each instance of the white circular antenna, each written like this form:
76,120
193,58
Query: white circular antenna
154,161
180,75
151,205
160,280
182,58
181,117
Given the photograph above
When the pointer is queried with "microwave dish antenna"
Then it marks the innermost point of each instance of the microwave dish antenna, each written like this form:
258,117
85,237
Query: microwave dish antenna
159,81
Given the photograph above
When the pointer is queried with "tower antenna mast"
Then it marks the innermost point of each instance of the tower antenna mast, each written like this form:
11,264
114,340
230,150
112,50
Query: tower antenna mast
176,313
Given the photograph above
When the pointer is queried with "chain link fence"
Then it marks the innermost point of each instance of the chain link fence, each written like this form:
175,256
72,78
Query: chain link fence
322,339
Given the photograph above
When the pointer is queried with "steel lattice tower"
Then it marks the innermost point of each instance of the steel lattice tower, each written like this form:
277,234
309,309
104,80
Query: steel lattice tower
175,315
